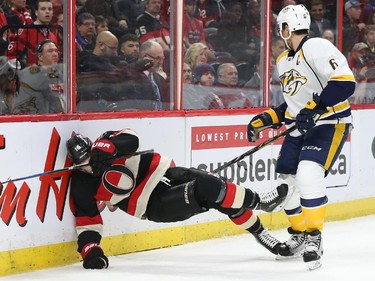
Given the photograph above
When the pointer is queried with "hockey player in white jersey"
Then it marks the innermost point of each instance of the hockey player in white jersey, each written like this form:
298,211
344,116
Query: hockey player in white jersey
316,83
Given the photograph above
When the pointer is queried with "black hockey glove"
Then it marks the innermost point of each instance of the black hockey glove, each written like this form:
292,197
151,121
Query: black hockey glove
306,119
268,119
93,257
103,154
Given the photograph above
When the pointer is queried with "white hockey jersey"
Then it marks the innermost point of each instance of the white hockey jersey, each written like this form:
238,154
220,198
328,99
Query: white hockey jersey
314,64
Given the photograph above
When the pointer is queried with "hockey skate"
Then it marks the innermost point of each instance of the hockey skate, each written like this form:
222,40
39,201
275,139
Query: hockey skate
313,250
267,240
273,200
294,246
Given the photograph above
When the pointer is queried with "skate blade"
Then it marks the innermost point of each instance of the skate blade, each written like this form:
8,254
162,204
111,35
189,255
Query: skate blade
312,265
285,258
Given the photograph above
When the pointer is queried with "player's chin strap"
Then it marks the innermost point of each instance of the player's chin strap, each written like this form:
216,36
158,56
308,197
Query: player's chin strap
74,167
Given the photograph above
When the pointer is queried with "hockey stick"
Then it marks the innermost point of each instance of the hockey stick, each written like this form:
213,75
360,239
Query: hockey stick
255,149
74,167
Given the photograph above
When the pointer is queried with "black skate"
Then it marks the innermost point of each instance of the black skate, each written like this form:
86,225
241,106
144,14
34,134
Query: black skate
313,249
273,200
268,241
294,246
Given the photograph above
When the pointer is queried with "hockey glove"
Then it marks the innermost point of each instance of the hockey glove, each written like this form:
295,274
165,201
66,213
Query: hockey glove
268,119
93,257
306,119
103,154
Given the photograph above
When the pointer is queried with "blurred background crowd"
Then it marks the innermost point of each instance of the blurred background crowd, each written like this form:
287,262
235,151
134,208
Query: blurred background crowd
123,48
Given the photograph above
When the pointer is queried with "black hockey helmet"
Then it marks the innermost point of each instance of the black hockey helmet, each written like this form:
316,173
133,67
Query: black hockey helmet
79,148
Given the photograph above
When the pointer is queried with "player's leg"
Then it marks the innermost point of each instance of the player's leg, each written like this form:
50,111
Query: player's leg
287,165
241,197
323,145
206,191
294,246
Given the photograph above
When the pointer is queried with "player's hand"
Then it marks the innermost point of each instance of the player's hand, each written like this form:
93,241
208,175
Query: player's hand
308,116
103,154
260,122
93,257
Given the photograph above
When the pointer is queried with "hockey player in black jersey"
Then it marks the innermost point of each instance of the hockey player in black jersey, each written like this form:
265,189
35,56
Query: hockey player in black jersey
148,186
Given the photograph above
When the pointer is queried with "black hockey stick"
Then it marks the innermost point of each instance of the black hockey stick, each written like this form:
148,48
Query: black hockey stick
254,149
74,167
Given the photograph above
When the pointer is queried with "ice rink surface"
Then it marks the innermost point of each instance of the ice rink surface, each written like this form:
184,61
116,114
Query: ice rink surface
349,254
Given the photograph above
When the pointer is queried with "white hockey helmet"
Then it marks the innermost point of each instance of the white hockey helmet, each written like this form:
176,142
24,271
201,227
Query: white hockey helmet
296,16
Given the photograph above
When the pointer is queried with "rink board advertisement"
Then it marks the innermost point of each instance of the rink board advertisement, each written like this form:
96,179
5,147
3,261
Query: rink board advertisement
35,212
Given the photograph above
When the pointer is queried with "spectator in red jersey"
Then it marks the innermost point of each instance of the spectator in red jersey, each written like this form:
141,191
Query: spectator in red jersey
44,14
210,12
17,15
31,37
4,35
193,28
149,25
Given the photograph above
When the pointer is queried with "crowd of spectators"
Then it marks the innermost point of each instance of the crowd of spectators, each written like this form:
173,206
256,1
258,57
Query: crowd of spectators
123,52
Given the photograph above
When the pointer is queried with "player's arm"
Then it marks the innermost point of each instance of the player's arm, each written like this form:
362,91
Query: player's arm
336,92
110,145
271,118
89,223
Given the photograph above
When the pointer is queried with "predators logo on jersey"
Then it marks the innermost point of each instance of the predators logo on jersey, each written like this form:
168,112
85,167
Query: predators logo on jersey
292,82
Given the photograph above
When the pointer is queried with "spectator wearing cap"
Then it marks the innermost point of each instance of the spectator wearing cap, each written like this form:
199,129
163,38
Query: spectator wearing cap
204,75
353,27
358,60
199,95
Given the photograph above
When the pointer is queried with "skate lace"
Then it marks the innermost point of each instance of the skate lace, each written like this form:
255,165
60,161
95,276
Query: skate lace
313,243
267,239
269,197
296,240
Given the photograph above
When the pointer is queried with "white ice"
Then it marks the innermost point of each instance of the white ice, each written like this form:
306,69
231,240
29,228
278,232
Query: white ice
348,255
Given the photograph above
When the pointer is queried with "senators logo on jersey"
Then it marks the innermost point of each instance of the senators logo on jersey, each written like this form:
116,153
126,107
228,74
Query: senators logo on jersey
119,180
292,82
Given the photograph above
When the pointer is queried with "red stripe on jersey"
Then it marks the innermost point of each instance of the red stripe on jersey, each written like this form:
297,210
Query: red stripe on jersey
229,196
83,221
243,218
160,33
133,200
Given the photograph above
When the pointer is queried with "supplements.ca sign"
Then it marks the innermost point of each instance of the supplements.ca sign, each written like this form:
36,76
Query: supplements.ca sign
212,146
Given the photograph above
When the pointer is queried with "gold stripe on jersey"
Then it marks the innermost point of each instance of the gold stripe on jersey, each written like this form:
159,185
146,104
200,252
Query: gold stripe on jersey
283,54
340,107
336,141
347,77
